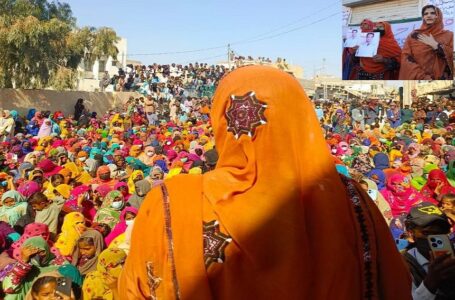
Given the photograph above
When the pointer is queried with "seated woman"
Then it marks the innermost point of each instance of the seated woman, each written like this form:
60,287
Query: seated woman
428,52
437,186
36,259
72,229
87,250
126,219
110,210
13,207
31,230
102,283
400,195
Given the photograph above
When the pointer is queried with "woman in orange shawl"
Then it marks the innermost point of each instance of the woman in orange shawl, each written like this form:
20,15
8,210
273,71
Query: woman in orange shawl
428,51
256,229
386,63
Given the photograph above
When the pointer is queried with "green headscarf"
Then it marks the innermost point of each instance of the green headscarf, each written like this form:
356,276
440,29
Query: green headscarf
40,243
136,164
11,214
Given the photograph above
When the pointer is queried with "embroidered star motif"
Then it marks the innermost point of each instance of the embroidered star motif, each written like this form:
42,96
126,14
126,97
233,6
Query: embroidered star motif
245,114
215,242
153,281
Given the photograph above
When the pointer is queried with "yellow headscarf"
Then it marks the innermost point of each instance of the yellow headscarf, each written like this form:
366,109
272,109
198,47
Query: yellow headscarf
73,168
394,154
208,145
131,186
173,172
110,262
64,190
72,228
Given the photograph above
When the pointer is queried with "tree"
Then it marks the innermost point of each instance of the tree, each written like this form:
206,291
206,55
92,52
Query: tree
40,45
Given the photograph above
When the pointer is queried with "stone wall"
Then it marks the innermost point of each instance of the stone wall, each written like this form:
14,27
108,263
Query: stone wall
23,100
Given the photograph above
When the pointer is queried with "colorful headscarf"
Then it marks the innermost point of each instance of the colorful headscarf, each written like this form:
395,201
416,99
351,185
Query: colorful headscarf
31,230
110,262
401,195
436,177
11,214
73,227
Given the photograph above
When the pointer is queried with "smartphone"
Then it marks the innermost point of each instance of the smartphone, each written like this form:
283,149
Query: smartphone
64,286
373,194
440,245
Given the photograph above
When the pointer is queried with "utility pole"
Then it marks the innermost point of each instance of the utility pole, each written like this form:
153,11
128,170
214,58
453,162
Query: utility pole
229,55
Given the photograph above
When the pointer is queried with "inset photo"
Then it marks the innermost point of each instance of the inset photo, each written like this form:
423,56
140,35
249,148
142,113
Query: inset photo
398,40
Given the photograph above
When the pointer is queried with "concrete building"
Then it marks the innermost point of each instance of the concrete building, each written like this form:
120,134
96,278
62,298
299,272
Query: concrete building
327,87
89,75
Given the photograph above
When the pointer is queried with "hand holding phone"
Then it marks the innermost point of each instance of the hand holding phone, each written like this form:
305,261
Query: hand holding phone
440,245
64,286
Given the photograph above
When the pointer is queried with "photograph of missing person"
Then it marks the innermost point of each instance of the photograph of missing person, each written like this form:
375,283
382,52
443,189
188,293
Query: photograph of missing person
353,38
369,44
410,47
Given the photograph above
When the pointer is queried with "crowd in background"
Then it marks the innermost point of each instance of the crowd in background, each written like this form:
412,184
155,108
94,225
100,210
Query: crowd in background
167,80
71,185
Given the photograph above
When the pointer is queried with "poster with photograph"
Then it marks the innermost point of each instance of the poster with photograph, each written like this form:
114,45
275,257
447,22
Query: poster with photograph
352,37
369,42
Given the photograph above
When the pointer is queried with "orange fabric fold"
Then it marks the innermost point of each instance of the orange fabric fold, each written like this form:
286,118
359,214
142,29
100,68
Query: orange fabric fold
419,61
294,231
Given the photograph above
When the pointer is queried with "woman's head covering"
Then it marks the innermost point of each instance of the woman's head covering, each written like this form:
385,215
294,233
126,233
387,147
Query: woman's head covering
107,202
273,227
13,213
108,259
30,230
18,198
98,242
72,228
64,190
378,177
103,190
434,29
133,176
48,167
142,188
381,161
400,194
110,262
40,243
121,226
437,179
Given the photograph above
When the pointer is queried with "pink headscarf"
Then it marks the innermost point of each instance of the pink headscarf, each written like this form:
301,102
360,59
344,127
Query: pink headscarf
121,226
28,188
31,230
57,143
120,184
401,195
88,209
103,190
343,149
